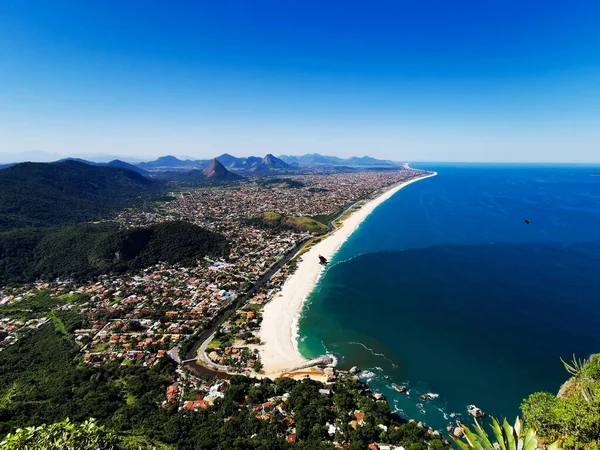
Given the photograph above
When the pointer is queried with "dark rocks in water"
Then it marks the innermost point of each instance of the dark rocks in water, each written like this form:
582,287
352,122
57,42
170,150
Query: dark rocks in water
475,411
458,432
401,389
527,221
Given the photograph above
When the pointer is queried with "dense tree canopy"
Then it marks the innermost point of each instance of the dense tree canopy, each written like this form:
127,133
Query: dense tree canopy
43,194
92,249
572,417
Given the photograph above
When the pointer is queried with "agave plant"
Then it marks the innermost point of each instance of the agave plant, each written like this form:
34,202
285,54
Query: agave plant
505,437
575,367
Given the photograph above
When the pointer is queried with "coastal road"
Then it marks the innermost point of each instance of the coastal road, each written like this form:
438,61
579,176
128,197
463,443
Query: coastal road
204,338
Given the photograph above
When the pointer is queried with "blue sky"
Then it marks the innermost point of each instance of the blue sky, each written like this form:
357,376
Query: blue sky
429,80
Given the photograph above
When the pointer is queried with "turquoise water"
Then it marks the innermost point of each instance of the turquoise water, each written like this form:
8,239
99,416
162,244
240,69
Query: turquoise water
446,289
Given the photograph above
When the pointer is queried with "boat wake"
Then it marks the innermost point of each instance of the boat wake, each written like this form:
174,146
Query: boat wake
395,366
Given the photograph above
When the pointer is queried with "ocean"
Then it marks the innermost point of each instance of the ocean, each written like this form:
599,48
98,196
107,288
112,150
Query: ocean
446,289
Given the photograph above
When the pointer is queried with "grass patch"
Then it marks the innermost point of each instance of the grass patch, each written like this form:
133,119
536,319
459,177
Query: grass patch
277,221
215,343
270,216
101,347
59,325
306,224
31,308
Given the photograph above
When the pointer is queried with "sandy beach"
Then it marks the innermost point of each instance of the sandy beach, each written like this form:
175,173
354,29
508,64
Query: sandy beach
278,351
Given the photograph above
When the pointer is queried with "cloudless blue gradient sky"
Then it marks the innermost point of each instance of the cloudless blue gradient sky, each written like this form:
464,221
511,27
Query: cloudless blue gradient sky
486,80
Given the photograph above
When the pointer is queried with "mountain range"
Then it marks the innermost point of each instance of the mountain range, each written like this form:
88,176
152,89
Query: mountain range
315,159
269,163
250,164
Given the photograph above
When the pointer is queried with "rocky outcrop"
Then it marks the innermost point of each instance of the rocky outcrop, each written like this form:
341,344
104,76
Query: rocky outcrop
458,432
475,411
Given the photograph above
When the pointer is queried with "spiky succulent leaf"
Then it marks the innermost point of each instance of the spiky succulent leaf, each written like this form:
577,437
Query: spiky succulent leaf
461,444
473,439
530,442
509,436
483,437
498,433
518,428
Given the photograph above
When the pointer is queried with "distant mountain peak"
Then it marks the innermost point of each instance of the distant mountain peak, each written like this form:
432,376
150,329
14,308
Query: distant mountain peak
217,171
271,162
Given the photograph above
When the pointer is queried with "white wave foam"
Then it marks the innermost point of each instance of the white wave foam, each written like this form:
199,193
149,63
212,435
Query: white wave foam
367,375
296,333
443,412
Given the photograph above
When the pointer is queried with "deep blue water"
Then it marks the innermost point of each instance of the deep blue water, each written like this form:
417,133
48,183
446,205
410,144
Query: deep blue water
445,288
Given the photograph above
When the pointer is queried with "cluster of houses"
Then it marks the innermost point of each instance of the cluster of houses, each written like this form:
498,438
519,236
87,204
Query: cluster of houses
191,394
11,329
194,394
145,315
235,346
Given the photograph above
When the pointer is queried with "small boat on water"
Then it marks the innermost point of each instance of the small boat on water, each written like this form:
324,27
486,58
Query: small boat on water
422,397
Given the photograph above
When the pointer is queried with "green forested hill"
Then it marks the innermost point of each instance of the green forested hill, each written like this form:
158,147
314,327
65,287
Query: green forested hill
91,249
50,194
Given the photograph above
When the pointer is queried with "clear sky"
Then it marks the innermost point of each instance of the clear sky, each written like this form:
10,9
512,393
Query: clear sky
487,80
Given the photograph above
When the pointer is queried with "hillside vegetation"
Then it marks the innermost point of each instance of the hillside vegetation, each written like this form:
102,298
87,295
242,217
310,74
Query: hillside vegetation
93,249
274,220
43,194
573,416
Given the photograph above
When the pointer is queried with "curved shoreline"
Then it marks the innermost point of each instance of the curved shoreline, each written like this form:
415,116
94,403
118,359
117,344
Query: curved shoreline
278,349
